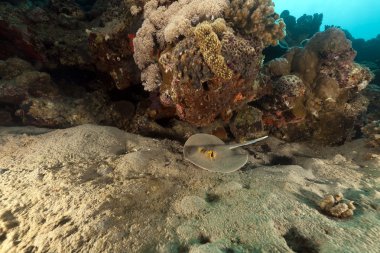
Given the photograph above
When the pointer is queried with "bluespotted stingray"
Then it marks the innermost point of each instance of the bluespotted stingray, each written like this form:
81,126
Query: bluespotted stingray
211,153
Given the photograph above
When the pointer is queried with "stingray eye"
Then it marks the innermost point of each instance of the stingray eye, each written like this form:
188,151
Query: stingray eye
211,154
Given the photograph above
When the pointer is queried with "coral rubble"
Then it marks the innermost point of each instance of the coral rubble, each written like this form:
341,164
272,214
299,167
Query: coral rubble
336,207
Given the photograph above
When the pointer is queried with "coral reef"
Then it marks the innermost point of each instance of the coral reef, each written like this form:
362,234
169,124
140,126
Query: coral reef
15,37
326,104
90,35
298,30
336,207
256,19
51,35
367,50
201,63
207,57
31,97
372,92
368,54
211,49
278,67
80,53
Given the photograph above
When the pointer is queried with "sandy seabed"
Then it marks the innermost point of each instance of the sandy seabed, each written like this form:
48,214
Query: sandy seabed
99,189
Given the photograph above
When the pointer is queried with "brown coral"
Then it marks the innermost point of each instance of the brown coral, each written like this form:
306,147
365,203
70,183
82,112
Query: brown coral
163,26
238,54
201,106
258,19
211,48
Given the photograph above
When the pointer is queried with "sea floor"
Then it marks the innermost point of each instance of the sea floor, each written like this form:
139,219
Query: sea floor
99,189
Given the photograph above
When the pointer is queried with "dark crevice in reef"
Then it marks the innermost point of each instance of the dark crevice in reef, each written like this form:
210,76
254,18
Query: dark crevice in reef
165,122
134,94
72,79
8,114
298,243
86,5
282,160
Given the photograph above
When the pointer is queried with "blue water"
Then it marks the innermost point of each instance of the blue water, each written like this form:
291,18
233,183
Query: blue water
360,17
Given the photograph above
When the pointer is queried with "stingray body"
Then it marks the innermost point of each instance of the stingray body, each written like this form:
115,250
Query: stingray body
211,153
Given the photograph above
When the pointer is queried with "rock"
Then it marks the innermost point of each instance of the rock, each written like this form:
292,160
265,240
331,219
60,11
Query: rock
279,67
247,124
112,49
334,206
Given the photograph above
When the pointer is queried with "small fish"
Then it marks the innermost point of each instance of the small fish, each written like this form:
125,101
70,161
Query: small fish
211,153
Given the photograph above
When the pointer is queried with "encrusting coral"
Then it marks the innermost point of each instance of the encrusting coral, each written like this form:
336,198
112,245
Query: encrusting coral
204,57
211,50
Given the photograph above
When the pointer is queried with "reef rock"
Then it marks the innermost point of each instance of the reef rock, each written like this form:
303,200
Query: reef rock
325,84
372,132
31,97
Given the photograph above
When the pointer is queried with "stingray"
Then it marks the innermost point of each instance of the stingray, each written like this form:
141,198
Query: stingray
211,153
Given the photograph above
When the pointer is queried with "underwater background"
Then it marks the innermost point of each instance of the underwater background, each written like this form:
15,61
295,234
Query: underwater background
361,18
